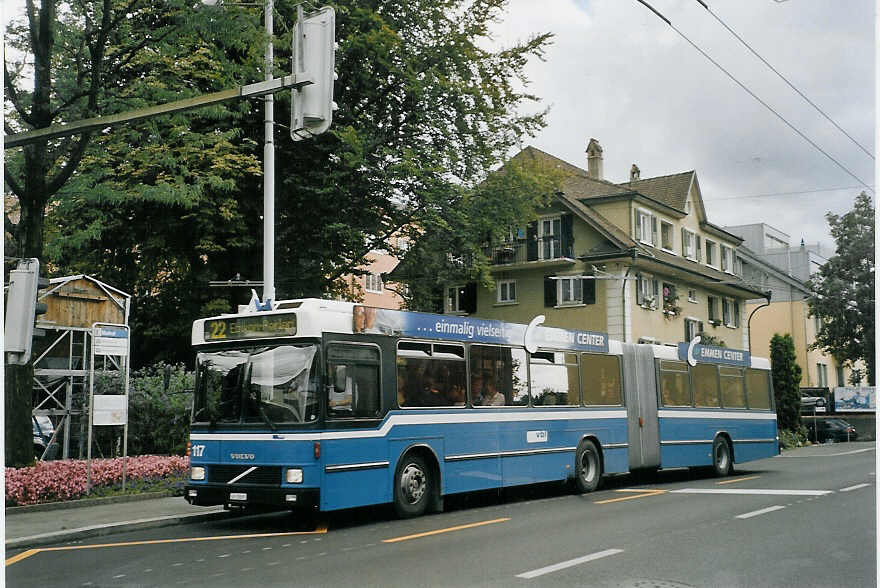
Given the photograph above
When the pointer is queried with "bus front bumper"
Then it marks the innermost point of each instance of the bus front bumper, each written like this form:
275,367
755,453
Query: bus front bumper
250,496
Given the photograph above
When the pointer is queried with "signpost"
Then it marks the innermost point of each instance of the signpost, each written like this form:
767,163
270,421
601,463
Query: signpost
112,343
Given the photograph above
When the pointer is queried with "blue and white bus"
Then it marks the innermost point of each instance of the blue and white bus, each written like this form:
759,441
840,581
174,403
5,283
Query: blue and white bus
333,405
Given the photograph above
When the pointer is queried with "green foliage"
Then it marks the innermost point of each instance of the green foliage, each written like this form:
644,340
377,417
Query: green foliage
844,289
159,417
786,375
790,439
711,340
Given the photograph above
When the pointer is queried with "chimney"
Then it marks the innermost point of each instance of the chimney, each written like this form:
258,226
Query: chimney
594,159
634,172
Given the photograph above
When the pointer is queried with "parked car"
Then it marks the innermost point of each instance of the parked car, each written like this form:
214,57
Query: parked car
835,430
43,431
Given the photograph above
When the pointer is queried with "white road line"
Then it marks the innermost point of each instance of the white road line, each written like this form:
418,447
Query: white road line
746,491
568,564
853,452
856,487
755,513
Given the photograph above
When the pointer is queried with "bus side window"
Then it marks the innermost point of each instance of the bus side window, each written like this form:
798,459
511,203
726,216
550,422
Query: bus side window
353,374
758,388
600,379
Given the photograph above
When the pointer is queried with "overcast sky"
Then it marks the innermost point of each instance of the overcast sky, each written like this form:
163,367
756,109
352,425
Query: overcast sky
618,73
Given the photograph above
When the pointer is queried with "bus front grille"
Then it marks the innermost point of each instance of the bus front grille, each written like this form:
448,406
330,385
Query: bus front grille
264,475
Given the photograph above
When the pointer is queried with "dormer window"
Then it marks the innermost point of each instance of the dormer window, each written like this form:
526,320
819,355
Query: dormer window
646,227
666,238
726,259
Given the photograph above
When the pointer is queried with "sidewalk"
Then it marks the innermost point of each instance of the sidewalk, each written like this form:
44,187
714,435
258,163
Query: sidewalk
60,522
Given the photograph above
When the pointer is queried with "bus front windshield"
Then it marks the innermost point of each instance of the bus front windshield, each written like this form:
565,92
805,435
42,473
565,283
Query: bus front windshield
268,385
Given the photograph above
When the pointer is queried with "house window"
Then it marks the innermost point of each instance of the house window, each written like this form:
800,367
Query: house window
711,255
549,230
840,379
648,291
646,227
507,291
730,312
455,299
373,283
713,310
692,328
670,299
692,295
569,291
688,244
666,239
726,259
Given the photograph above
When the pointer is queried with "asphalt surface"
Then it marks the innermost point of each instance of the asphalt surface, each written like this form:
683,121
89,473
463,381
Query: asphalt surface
802,519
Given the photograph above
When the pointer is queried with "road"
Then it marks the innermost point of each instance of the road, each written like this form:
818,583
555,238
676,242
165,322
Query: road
806,518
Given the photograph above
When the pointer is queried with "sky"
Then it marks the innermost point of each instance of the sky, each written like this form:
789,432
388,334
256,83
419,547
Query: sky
618,73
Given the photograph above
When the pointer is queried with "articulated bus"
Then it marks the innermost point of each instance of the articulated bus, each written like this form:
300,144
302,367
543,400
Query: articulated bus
331,405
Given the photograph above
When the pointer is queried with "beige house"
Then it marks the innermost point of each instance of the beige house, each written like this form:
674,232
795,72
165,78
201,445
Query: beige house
638,260
371,287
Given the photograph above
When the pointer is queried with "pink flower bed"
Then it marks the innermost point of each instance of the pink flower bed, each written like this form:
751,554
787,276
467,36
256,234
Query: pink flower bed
52,481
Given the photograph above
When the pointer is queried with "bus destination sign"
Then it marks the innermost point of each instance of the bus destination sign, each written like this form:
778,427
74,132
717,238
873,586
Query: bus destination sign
250,327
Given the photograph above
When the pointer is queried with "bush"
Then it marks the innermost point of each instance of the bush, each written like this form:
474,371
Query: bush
54,481
789,439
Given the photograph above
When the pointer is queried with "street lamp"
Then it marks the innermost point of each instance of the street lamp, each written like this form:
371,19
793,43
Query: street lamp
268,151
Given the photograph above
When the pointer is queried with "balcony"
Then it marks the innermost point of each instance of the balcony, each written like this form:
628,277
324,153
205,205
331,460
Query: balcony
518,252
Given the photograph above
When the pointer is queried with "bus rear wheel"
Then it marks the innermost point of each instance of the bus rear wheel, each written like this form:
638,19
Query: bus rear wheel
413,487
587,467
722,458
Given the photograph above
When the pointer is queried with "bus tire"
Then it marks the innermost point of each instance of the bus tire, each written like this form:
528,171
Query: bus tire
413,487
587,467
722,458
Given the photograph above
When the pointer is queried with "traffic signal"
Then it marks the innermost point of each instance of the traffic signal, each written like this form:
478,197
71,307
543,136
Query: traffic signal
22,309
314,53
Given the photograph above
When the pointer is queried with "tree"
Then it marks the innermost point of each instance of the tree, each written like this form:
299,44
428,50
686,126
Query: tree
90,58
843,289
786,375
425,114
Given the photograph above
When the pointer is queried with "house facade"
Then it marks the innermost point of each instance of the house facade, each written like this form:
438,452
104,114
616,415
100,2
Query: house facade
638,260
770,263
372,287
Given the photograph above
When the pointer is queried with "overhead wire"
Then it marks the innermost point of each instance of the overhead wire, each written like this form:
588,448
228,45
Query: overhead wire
784,79
756,97
784,193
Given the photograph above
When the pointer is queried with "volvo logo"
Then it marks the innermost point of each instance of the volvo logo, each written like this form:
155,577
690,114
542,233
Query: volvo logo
241,456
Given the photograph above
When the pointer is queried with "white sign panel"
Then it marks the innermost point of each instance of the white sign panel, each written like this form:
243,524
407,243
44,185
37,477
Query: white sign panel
851,399
110,341
110,409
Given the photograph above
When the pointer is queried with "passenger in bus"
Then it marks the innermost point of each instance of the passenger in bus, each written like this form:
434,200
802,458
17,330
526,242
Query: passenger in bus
491,395
456,395
432,396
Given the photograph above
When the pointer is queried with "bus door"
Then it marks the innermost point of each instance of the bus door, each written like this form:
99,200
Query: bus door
639,383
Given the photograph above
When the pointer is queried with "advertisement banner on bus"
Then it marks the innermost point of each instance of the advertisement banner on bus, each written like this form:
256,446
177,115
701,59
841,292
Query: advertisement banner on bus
694,352
455,328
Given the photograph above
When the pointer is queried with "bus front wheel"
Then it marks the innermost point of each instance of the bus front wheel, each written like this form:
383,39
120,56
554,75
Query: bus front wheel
413,487
722,457
587,467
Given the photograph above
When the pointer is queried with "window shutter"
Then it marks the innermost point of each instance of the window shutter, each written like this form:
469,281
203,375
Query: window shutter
549,291
588,287
532,241
653,230
712,310
637,222
684,250
699,249
736,313
469,298
567,237
640,292
699,327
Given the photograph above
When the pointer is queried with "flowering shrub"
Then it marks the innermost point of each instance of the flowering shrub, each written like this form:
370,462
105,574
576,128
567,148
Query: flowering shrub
53,481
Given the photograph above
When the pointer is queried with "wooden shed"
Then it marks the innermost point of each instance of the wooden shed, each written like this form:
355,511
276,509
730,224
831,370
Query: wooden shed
81,301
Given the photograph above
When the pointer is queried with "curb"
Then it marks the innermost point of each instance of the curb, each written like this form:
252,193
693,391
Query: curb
84,502
111,528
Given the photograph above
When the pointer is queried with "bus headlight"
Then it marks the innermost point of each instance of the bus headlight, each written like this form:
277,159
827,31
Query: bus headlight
294,476
197,473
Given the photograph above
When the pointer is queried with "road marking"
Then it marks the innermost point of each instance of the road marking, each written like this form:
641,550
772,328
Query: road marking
568,564
755,513
853,452
25,554
856,487
736,480
21,556
744,491
641,493
446,530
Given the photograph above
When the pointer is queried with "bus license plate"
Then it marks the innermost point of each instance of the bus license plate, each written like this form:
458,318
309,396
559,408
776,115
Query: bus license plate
237,496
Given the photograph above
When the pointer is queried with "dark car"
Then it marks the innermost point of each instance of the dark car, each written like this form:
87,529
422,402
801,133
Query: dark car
835,430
